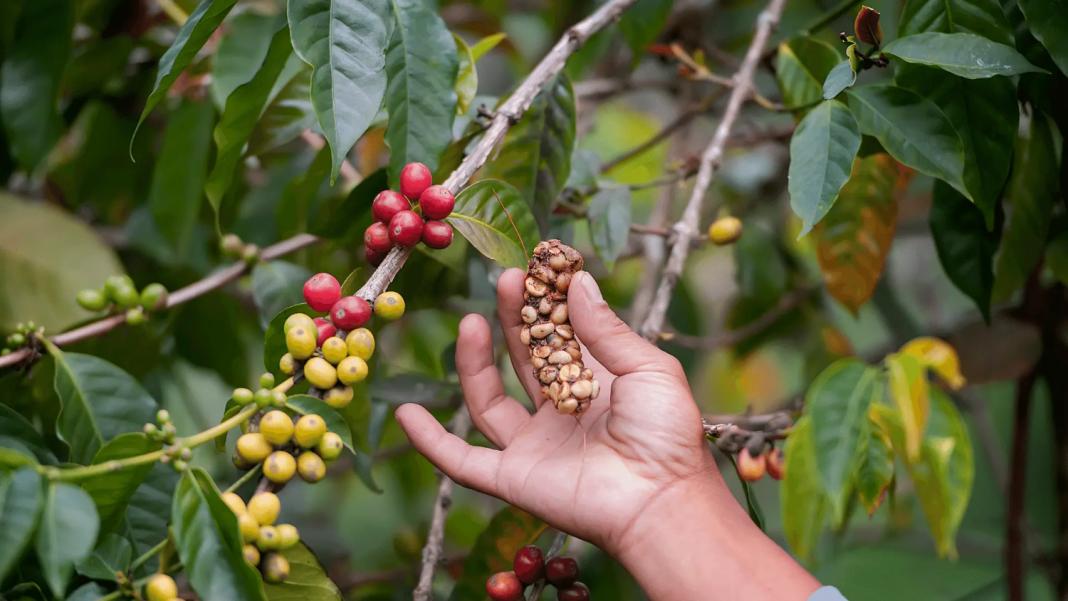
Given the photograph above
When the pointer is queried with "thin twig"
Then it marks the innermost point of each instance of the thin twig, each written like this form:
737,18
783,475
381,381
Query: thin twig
786,304
680,121
687,227
554,551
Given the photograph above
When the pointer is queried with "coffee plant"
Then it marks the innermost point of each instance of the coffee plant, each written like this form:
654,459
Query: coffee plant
145,453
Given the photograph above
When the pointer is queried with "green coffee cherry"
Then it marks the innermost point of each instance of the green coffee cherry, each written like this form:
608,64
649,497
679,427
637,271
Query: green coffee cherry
278,399
151,430
268,539
243,396
180,465
16,339
263,398
113,283
154,297
232,246
127,297
92,300
30,326
135,316
163,416
267,380
251,254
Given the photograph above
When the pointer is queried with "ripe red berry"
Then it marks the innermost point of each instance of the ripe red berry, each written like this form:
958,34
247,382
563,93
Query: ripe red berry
504,586
561,572
321,291
377,238
326,330
437,234
774,460
406,228
375,258
350,313
437,202
387,204
751,468
414,178
529,564
575,592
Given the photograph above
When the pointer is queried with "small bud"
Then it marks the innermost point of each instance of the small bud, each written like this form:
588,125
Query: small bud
251,254
162,417
151,431
135,316
267,380
180,465
232,246
867,26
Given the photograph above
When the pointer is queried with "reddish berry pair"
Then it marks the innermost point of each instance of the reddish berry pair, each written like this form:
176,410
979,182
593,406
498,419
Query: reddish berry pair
528,567
323,293
752,468
396,224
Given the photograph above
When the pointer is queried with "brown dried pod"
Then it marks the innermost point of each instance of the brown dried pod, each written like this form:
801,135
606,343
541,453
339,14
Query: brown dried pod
554,351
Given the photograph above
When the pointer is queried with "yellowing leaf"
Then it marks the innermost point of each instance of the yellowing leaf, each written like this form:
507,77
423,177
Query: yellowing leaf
876,469
910,393
804,504
938,356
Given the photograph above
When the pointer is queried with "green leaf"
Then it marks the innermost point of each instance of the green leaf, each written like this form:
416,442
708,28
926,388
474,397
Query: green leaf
111,556
307,579
342,221
231,410
209,543
821,157
801,67
13,425
277,285
345,43
20,504
641,24
298,198
14,454
31,77
89,591
486,44
112,491
289,110
963,54
100,402
494,218
965,247
1057,257
274,340
196,30
875,471
759,267
1048,21
241,51
609,217
376,425
305,404
466,77
243,109
842,76
149,511
66,534
979,17
536,155
837,403
510,530
47,255
913,130
585,169
1032,194
352,282
804,504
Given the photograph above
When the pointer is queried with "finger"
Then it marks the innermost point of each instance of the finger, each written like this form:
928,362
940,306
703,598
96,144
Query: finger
509,304
608,338
470,466
493,412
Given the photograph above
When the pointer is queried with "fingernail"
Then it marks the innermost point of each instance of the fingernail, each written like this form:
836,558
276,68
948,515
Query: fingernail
590,287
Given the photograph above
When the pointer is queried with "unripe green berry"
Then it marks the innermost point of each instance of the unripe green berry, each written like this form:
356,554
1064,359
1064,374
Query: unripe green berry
151,430
232,246
243,396
16,339
268,539
20,328
163,416
278,399
169,432
113,283
251,254
267,380
186,453
135,316
127,297
30,326
92,300
153,297
263,398
180,465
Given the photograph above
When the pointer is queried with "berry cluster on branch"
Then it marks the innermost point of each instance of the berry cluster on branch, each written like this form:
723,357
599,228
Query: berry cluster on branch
529,568
398,223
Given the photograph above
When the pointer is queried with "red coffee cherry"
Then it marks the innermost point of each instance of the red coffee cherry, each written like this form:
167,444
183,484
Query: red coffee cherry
437,234
504,586
375,258
414,178
751,468
387,204
377,238
326,330
406,228
437,202
321,291
561,572
350,313
774,460
529,564
575,592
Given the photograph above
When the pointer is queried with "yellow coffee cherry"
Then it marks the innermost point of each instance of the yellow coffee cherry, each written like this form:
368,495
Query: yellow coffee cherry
234,502
250,528
240,462
268,539
264,507
311,467
288,537
287,364
275,568
389,306
320,373
298,319
309,431
300,341
253,447
279,467
330,446
161,587
334,350
352,370
338,397
725,230
252,555
361,343
276,427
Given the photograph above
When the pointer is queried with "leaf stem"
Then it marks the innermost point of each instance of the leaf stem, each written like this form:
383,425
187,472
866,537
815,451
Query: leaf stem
140,561
252,473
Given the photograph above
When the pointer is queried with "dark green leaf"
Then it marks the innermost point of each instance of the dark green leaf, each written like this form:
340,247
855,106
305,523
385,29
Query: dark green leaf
1048,21
241,51
89,591
494,218
232,409
609,218
821,157
20,504
341,221
406,388
289,110
962,54
209,543
980,17
345,43
112,491
111,556
376,425
274,340
965,248
759,267
641,24
66,534
14,454
805,507
510,530
1057,257
842,76
585,169
875,471
307,579
13,425
304,404
149,511
277,285
801,67
466,77
294,208
352,282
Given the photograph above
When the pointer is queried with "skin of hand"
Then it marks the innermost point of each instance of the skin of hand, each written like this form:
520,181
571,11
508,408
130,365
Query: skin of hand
634,475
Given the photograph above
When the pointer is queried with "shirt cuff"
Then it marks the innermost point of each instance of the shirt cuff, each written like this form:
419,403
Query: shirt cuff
827,593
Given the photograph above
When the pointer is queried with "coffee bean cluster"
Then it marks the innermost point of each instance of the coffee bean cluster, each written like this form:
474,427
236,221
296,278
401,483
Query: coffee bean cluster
263,539
119,294
397,224
528,568
753,466
277,438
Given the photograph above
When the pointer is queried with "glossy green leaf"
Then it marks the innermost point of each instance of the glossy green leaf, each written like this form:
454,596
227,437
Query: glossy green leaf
486,44
341,221
244,45
345,43
274,340
31,77
277,285
641,24
14,454
801,67
149,511
913,130
821,157
510,530
100,402
13,425
209,543
963,54
965,248
112,491
875,470
196,30
111,556
536,155
304,404
307,579
609,217
466,85
20,505
493,216
1048,20
352,282
289,110
90,591
842,76
66,533
294,208
979,17
805,508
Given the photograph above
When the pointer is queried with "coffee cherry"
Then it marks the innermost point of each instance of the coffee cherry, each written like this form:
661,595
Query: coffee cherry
377,238
239,462
334,349
338,397
561,572
725,230
92,300
234,502
751,468
288,537
252,554
406,228
127,296
135,316
250,528
387,204
437,234
351,370
287,364
324,328
242,396
16,339
414,179
311,467
275,568
389,306
251,254
300,341
436,202
775,462
504,586
161,587
309,430
320,373
253,447
374,258
277,428
350,313
268,539
529,564
153,297
330,446
267,380
151,431
263,398
298,319
163,417
232,246
361,343
575,592
321,291
279,467
112,285
278,399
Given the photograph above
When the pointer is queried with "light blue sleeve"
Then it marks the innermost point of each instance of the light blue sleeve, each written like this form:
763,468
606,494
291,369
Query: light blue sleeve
827,593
